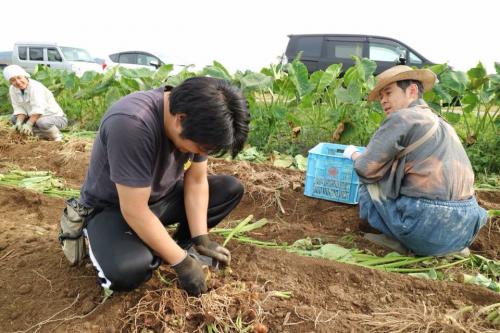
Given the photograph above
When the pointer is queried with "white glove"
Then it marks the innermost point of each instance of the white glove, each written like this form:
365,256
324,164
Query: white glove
27,128
18,125
349,150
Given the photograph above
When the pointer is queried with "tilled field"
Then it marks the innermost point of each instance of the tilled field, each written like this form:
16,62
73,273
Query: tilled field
39,292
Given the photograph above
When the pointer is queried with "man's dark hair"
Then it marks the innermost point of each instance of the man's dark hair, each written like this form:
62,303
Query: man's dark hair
403,84
216,114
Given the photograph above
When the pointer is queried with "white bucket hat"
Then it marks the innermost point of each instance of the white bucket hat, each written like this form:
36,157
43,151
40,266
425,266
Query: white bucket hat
14,70
402,72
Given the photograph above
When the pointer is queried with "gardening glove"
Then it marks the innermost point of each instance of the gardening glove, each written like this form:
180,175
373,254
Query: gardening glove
349,150
27,128
17,127
209,248
191,276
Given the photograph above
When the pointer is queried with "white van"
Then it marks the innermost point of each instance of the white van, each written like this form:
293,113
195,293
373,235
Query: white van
28,55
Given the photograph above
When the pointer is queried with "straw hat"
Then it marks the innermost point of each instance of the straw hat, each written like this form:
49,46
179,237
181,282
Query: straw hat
399,73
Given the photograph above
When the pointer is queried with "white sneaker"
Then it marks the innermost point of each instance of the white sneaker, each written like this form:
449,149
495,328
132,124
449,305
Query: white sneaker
465,252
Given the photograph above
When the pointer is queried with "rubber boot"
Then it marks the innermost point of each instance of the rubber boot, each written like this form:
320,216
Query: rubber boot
54,133
387,242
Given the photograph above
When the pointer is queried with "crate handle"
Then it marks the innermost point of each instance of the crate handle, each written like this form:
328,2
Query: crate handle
335,151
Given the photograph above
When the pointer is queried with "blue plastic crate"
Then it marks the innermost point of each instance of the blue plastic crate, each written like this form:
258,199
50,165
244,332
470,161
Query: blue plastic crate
330,176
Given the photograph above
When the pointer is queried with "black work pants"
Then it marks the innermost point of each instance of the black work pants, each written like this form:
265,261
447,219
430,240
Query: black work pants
123,260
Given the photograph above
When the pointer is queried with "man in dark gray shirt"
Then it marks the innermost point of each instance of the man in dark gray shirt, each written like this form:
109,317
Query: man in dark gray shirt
418,181
148,169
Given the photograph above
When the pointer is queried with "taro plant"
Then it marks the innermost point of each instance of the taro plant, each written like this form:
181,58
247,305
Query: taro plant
357,119
269,94
470,101
5,106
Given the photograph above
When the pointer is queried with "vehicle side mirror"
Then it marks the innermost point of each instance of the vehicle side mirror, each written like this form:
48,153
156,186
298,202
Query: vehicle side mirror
154,63
402,59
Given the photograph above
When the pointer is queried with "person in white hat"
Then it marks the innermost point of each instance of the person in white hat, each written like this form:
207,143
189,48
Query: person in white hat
418,183
36,111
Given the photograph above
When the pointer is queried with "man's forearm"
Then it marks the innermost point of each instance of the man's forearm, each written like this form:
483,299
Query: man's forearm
150,230
196,205
34,118
21,117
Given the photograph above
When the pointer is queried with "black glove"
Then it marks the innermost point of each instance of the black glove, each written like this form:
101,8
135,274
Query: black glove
191,276
209,248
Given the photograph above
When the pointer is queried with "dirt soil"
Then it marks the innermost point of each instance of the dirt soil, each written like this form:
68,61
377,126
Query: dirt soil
40,292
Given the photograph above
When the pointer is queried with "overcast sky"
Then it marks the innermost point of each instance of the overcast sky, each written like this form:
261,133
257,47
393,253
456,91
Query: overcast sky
252,34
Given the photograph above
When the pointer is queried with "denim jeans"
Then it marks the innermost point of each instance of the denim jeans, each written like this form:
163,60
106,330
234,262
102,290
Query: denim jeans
426,227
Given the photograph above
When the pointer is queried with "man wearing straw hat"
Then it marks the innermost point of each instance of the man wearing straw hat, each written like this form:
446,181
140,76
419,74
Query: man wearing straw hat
417,179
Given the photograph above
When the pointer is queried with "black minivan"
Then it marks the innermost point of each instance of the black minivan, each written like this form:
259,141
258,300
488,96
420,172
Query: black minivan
321,50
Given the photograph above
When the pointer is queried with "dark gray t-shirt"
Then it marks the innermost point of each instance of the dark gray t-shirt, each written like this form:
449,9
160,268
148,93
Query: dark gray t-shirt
131,149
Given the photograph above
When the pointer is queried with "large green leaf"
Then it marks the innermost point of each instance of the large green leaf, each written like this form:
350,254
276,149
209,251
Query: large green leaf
330,75
442,93
351,95
354,91
452,118
469,102
300,162
438,69
477,76
297,72
255,81
497,67
112,95
135,73
4,91
365,68
70,81
86,78
350,75
454,81
495,78
217,70
163,72
342,95
130,85
486,96
282,161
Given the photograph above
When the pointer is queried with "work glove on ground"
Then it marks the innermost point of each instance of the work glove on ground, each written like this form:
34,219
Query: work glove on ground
349,150
27,128
191,276
209,248
17,127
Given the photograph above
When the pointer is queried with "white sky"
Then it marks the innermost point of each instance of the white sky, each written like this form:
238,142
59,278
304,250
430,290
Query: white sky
252,34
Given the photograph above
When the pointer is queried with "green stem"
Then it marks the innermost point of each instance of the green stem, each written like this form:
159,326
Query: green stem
416,270
237,229
403,263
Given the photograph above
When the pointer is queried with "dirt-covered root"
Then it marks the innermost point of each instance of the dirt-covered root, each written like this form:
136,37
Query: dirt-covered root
228,306
264,184
431,319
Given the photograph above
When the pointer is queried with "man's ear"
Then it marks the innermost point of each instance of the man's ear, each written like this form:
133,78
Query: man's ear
179,118
413,90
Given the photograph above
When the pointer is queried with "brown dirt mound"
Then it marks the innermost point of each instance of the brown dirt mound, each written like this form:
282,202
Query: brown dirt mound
39,292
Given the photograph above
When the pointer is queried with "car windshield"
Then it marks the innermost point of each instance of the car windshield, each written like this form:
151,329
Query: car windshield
75,54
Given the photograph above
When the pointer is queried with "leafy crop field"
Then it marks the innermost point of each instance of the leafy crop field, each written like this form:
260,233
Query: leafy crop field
291,110
299,264
276,284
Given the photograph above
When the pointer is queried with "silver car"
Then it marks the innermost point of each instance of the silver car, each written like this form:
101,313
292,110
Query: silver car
28,55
